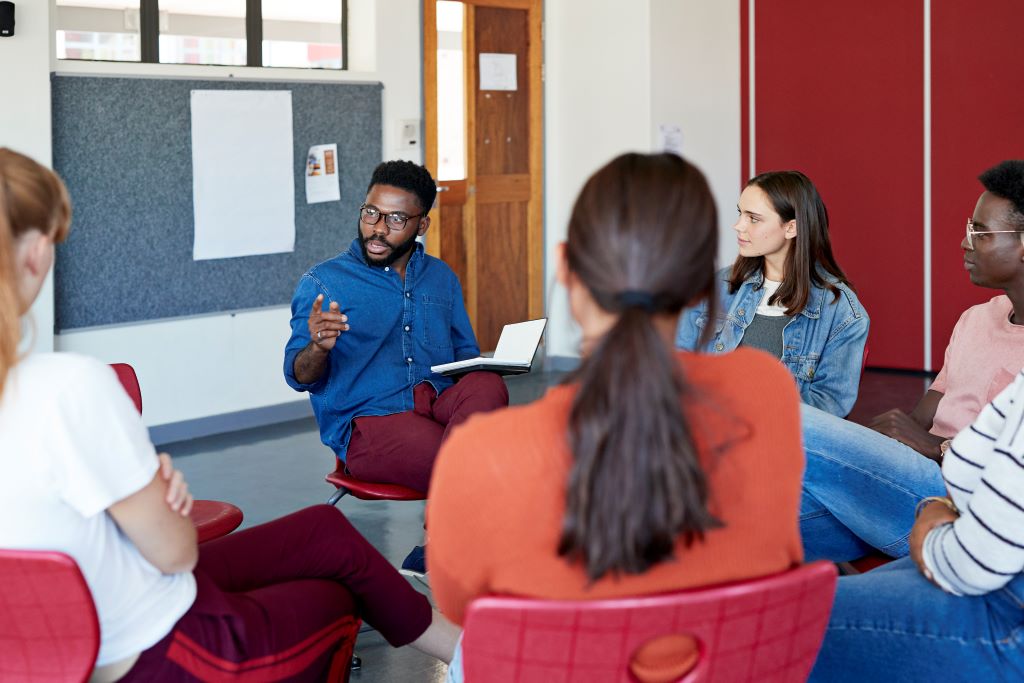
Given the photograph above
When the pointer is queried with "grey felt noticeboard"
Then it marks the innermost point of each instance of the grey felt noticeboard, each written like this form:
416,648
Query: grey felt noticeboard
123,146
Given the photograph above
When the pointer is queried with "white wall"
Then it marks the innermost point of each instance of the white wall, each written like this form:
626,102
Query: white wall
695,83
597,104
25,117
209,365
612,77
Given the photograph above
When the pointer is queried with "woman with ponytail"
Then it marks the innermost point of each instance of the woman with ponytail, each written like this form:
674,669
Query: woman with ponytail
79,475
650,469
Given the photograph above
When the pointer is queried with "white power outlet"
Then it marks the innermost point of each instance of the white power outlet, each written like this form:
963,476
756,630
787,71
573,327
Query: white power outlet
409,134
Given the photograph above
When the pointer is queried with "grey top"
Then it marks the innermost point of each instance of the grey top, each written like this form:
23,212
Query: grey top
765,333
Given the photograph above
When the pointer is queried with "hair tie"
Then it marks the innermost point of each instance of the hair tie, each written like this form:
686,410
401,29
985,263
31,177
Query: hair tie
633,298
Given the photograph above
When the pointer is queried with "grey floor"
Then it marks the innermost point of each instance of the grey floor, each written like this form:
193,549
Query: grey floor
271,471
274,470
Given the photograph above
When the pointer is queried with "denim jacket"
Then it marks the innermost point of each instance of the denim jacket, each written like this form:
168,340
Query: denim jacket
823,344
399,328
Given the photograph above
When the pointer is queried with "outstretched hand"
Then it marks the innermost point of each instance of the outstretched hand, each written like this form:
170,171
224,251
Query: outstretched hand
896,424
326,326
178,497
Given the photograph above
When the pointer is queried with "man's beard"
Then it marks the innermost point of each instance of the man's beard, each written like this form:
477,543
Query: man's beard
395,253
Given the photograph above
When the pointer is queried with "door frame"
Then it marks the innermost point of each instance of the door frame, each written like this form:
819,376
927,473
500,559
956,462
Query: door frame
535,209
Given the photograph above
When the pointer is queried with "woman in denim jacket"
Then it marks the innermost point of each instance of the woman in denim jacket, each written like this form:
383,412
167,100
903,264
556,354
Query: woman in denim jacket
786,295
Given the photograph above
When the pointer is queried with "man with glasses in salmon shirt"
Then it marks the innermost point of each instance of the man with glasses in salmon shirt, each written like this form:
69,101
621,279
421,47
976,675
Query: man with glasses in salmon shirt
368,324
862,484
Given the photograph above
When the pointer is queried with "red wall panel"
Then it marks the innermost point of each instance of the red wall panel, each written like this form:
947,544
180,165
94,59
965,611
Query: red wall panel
977,121
839,95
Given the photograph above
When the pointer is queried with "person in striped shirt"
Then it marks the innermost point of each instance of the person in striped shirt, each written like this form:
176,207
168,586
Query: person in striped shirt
953,609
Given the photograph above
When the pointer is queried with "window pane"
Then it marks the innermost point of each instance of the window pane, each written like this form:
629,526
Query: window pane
302,34
451,93
98,29
202,32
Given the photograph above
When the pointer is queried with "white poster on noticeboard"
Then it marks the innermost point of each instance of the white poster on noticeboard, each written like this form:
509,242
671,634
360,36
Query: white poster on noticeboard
243,182
322,183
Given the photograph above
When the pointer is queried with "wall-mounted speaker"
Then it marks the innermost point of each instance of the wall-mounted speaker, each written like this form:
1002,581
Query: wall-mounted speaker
6,19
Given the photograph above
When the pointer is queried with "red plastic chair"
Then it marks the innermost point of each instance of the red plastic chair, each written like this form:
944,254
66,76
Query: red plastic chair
49,632
212,518
765,629
346,484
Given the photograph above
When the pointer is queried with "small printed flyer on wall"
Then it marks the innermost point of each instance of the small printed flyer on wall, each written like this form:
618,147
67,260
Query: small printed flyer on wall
322,183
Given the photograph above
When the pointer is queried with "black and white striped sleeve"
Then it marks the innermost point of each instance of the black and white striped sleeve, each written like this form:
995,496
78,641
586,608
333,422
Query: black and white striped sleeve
984,549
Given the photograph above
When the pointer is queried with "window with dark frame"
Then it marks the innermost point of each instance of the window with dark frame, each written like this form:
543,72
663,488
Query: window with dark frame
271,33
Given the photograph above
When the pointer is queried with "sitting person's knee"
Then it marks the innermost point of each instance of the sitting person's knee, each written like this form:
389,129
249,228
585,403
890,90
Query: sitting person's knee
486,384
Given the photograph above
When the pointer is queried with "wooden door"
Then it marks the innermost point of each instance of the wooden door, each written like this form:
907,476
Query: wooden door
488,221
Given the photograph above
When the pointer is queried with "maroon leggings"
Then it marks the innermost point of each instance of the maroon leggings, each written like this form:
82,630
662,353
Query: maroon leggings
401,448
274,600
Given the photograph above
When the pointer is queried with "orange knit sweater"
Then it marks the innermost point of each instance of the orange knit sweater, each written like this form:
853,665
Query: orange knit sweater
497,496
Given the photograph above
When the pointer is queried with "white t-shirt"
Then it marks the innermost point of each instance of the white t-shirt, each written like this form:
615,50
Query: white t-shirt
71,445
774,310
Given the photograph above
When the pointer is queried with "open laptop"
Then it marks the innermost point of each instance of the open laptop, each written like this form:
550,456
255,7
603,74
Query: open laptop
514,355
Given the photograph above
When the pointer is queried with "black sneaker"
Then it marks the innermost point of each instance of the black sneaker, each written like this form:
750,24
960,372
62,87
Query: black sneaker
415,563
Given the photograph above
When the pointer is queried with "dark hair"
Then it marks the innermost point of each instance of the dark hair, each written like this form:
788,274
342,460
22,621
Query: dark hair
642,240
407,176
1007,181
793,196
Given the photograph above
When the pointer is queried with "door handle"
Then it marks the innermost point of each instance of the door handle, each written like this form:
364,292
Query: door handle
443,188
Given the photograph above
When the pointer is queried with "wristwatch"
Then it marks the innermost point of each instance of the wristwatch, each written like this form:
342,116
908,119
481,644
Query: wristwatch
943,447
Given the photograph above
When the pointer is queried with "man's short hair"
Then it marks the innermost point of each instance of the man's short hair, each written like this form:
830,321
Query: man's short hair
1007,181
408,176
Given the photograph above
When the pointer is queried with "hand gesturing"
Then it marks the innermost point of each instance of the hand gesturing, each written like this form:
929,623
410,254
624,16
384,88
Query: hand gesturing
326,326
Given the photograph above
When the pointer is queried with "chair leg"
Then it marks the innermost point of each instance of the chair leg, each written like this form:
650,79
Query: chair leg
338,495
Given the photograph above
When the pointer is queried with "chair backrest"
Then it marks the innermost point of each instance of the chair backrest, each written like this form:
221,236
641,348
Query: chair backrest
211,518
49,632
130,382
765,629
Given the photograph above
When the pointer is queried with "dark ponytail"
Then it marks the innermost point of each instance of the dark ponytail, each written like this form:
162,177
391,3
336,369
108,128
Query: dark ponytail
642,239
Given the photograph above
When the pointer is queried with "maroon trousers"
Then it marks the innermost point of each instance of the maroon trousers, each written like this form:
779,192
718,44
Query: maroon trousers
401,448
277,601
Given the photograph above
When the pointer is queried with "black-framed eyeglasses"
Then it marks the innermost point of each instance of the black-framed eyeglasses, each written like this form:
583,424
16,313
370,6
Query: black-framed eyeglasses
971,232
394,221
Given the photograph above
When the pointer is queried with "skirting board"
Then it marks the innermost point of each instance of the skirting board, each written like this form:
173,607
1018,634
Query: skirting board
561,363
230,422
282,412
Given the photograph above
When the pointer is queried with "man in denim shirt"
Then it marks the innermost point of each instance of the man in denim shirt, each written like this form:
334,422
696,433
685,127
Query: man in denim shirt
366,327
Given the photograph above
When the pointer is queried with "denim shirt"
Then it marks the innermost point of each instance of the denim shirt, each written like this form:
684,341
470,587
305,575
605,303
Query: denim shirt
397,330
823,344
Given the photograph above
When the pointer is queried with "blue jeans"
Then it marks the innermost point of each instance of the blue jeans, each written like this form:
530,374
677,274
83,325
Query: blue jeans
890,624
455,674
860,489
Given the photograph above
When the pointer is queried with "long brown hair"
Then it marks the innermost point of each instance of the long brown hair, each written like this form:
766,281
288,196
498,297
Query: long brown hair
642,240
794,197
32,197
